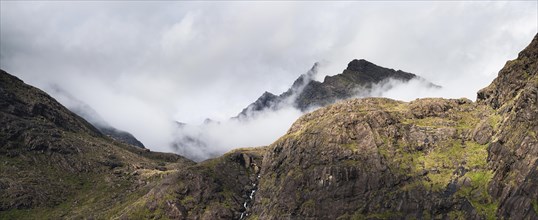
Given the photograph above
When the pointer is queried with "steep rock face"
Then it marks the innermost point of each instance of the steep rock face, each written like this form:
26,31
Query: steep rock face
266,101
358,77
514,151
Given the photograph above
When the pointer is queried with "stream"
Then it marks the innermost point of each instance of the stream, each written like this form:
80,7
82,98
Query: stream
245,213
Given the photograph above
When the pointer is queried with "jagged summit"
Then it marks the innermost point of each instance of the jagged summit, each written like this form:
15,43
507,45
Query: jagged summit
367,71
358,64
266,95
265,100
306,93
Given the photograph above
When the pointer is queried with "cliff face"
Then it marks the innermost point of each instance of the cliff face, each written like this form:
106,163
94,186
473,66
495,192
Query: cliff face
513,152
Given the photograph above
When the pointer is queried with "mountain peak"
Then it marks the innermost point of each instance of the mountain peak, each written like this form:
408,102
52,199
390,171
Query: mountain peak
358,65
367,72
267,94
265,100
308,93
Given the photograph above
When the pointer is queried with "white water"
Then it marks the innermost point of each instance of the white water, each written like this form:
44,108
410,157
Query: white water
244,214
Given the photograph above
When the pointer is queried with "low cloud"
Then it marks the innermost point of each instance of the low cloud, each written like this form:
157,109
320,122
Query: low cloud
212,139
252,127
255,127
143,65
403,90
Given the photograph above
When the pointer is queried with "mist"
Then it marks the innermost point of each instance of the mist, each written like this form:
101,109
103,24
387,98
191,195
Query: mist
143,66
212,139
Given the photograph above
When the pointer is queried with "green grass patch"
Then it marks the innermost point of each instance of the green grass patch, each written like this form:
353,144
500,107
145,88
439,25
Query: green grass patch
478,195
432,122
351,146
476,155
459,215
495,121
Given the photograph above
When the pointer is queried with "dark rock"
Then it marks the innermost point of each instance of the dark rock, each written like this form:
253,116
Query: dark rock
120,135
306,93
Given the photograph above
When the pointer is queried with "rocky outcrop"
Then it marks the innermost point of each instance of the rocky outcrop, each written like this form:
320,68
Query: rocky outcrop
266,101
514,150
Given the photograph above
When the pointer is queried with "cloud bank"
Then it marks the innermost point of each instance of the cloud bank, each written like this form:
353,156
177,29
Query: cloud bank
212,139
144,65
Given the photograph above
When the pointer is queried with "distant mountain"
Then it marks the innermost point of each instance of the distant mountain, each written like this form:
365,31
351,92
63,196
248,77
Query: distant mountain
357,79
85,111
121,136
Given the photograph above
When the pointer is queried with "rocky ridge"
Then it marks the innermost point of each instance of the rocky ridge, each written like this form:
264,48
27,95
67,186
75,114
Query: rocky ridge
361,78
306,93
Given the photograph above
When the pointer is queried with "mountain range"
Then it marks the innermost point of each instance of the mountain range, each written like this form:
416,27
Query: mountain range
361,78
305,94
368,158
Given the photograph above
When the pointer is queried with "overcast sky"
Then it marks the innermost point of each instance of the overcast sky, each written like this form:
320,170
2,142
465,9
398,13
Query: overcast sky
143,64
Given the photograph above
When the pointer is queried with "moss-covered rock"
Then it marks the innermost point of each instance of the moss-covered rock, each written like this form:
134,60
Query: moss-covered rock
374,155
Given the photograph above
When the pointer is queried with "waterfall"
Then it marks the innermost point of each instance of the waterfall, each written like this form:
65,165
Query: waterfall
245,214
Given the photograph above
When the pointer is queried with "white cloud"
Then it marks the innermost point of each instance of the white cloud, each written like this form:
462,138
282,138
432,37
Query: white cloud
143,64
213,139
